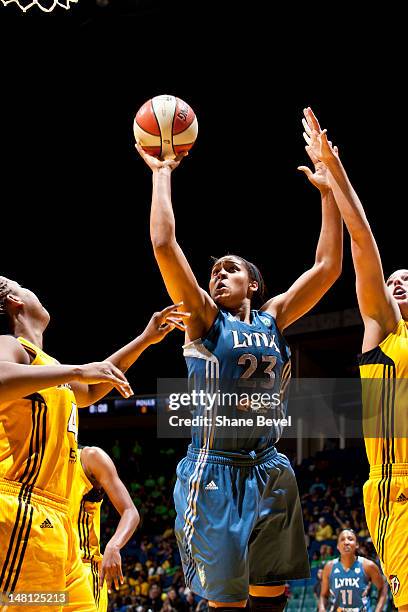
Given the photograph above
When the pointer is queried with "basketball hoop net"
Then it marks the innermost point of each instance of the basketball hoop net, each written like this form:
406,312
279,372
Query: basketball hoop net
45,5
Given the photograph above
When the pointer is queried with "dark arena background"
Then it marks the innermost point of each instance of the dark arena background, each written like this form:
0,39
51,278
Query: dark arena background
75,217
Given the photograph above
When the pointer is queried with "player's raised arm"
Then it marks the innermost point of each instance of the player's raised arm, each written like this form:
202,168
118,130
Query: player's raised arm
310,287
374,574
177,274
379,311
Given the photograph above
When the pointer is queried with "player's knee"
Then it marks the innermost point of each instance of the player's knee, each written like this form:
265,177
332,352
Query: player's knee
267,604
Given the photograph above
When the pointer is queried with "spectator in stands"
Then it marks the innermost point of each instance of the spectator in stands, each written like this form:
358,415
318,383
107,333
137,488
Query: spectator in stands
154,601
174,599
317,486
326,553
315,561
324,531
167,607
313,525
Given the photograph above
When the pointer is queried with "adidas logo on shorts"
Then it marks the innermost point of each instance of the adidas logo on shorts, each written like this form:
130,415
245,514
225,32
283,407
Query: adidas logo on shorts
47,523
211,486
402,498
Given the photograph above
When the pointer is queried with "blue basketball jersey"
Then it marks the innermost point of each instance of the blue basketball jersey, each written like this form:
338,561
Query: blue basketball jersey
239,365
348,587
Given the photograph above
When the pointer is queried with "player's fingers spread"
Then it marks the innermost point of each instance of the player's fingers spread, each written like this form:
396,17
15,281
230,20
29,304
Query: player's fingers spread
173,322
171,308
312,156
125,391
108,579
324,139
178,313
307,138
102,577
336,149
308,118
306,127
179,324
121,575
306,170
118,373
166,328
313,119
181,156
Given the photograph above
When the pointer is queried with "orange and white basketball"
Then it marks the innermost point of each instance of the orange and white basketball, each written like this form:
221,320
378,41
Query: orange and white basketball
165,126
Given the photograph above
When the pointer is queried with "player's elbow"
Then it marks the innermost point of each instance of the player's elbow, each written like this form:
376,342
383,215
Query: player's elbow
163,243
329,271
134,517
335,271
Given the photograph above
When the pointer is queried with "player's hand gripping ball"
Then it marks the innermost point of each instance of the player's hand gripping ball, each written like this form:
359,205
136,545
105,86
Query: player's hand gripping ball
165,126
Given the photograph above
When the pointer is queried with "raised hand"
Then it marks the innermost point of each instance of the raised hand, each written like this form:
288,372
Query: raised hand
317,143
318,178
164,322
156,164
104,372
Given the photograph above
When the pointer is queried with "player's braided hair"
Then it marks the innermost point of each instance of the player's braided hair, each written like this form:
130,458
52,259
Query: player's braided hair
254,274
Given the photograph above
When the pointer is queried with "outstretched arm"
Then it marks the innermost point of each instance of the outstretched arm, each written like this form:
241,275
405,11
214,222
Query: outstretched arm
177,274
101,470
379,311
315,282
18,378
158,327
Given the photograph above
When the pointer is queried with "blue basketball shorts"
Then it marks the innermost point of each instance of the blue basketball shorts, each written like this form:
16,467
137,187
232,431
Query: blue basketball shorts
239,522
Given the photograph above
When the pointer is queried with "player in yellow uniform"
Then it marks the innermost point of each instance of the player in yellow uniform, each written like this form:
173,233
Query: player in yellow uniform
384,372
38,431
96,475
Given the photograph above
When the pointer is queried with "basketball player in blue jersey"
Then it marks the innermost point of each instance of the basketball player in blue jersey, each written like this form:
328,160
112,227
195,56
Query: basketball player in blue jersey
239,525
346,580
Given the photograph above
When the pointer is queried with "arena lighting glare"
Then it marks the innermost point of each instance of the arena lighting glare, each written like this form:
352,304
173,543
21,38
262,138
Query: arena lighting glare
44,5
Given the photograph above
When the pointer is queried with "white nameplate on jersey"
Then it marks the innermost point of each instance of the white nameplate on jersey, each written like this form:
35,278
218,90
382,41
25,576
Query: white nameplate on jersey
346,582
244,340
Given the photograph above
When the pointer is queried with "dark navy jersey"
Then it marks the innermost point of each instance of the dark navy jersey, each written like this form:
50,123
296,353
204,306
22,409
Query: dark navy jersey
239,366
348,587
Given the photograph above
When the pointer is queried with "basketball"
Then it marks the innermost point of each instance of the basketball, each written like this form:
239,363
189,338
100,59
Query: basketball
165,126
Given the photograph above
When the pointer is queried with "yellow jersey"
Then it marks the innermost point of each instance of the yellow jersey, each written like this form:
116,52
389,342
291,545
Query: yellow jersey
384,374
85,510
38,435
